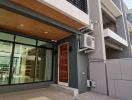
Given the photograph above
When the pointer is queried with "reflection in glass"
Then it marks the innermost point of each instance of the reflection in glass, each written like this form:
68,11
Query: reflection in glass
5,56
44,65
45,44
29,65
23,64
4,36
24,40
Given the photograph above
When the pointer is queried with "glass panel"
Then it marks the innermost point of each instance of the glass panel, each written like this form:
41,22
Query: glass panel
4,36
25,40
23,64
5,56
44,65
45,44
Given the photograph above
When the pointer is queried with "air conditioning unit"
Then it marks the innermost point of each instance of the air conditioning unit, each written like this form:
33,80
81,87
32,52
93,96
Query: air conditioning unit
87,42
91,83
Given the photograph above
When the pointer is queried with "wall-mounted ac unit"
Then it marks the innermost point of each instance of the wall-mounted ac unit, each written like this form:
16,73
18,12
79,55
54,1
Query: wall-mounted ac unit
87,42
91,83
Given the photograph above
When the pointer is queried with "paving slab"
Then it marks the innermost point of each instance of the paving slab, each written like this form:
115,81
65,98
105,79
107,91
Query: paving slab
51,94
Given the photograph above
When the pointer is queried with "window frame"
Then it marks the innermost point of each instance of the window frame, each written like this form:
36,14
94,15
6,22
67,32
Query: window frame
36,46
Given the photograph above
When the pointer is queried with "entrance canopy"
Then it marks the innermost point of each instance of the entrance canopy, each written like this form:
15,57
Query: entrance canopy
18,23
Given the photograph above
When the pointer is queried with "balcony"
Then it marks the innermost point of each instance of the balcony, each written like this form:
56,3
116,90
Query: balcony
114,38
74,9
111,7
60,10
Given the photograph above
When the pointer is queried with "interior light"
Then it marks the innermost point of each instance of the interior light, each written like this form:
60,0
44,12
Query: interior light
46,32
21,25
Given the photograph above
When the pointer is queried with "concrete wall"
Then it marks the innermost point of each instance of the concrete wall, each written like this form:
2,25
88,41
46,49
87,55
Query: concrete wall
119,72
97,68
128,51
83,66
129,17
98,74
96,17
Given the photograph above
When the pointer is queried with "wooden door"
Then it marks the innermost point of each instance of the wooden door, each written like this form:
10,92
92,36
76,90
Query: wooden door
63,64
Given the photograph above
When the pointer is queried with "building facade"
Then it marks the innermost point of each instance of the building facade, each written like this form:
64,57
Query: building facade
45,42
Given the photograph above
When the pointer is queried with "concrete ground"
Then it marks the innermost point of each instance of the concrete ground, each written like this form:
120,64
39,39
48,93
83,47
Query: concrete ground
51,94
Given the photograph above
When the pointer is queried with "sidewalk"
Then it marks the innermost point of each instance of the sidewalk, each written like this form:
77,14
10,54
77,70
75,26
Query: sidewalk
50,94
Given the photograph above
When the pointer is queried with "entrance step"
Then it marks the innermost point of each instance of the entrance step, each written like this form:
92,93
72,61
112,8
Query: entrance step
68,90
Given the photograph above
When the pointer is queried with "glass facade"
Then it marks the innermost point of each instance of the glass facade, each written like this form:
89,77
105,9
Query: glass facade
24,60
43,70
5,58
23,64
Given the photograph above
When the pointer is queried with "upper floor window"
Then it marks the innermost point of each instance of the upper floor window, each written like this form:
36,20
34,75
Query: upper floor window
81,4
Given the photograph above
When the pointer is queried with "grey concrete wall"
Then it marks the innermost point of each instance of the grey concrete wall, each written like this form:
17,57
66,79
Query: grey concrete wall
96,17
114,54
127,52
129,17
120,78
120,27
98,74
120,20
131,37
83,66
97,68
73,71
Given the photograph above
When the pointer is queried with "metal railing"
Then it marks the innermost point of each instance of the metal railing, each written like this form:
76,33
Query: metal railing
81,4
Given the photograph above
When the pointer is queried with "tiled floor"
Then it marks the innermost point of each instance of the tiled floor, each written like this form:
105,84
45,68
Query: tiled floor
50,94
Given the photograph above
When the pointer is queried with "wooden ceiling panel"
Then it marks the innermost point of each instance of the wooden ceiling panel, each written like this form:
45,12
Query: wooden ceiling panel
18,23
47,11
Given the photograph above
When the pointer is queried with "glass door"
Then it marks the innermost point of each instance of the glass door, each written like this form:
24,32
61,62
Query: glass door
43,70
5,58
23,64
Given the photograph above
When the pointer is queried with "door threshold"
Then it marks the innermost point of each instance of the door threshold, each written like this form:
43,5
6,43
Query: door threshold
65,89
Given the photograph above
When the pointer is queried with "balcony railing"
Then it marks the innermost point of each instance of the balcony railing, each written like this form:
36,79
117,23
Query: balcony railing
81,4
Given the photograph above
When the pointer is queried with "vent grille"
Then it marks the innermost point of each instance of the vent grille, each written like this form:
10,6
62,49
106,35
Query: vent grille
88,41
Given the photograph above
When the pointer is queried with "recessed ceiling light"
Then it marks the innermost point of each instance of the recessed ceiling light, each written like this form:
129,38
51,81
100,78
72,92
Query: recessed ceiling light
46,32
21,25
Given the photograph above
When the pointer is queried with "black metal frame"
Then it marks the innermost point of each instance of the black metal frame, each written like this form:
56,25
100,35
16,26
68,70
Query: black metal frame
81,4
12,56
